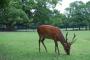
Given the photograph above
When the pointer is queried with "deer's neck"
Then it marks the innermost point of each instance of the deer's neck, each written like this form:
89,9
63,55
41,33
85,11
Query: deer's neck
62,40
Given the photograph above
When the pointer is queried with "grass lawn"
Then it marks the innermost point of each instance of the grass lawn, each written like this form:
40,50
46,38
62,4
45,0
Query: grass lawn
24,46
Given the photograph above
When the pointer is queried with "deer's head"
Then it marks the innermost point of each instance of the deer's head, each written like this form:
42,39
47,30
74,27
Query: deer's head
67,45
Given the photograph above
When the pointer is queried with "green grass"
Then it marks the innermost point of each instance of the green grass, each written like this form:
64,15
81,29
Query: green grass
24,46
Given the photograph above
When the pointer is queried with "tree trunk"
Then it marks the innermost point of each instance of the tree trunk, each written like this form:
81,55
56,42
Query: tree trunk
73,28
89,26
79,28
9,27
66,28
85,27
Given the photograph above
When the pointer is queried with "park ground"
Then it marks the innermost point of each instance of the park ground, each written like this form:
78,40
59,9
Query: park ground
24,46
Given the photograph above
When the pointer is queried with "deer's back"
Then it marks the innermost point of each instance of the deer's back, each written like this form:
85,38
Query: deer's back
49,31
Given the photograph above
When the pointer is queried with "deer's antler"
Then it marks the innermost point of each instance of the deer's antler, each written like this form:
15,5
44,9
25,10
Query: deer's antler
73,39
66,36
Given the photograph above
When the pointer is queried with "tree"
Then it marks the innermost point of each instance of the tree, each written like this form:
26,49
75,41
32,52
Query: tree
4,3
10,16
88,13
57,19
76,14
13,12
42,11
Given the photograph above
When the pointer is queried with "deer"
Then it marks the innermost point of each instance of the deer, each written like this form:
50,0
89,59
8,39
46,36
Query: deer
54,33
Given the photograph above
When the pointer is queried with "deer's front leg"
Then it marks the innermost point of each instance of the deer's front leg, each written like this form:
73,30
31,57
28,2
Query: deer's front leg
56,47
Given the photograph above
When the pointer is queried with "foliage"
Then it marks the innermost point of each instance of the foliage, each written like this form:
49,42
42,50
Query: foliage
36,12
4,3
22,11
77,14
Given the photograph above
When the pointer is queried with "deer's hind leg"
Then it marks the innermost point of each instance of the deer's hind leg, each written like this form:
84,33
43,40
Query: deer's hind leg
41,40
39,43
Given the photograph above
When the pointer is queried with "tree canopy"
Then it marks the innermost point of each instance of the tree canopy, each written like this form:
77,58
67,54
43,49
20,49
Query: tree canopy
32,13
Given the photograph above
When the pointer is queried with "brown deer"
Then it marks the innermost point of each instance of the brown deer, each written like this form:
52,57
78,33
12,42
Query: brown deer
54,33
